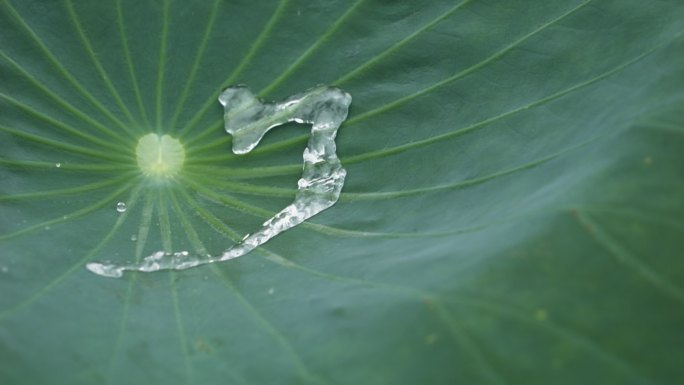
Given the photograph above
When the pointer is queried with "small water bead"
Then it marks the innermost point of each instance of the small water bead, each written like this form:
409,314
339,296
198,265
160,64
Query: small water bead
134,237
121,207
58,165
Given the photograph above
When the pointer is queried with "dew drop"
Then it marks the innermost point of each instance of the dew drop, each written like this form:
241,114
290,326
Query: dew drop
134,237
121,207
4,269
58,165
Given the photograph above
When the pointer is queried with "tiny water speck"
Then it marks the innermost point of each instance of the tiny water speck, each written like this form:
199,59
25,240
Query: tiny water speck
121,207
134,237
58,165
4,269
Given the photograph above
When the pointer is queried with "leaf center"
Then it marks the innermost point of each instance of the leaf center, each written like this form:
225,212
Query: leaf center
159,156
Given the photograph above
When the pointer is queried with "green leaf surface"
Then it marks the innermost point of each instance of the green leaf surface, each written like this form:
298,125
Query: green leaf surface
512,212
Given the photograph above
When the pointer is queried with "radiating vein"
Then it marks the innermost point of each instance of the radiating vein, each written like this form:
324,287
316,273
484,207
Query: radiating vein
382,55
143,232
162,62
63,103
263,214
60,68
469,70
72,215
280,339
195,65
23,196
165,228
309,51
67,166
200,248
461,338
631,261
587,345
129,61
451,134
442,314
69,148
258,43
81,134
98,66
503,308
76,266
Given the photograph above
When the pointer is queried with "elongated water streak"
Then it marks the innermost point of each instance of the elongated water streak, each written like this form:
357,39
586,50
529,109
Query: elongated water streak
248,119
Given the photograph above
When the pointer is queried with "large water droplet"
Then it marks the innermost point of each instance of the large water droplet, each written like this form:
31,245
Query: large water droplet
121,207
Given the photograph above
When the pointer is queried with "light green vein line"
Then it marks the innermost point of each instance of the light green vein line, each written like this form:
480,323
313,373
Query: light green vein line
280,339
461,74
195,65
443,315
305,56
643,215
98,65
379,57
240,172
589,346
59,100
78,266
260,40
264,214
105,155
165,228
185,222
162,62
458,132
109,199
60,68
242,187
628,259
352,197
467,71
461,338
502,308
251,189
66,166
65,191
194,238
223,142
129,62
143,232
212,128
181,329
56,123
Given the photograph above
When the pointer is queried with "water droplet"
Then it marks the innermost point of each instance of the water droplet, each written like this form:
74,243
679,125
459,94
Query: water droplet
58,165
121,207
134,237
271,291
4,269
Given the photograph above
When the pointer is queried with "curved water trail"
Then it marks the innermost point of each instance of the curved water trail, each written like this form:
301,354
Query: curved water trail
248,119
